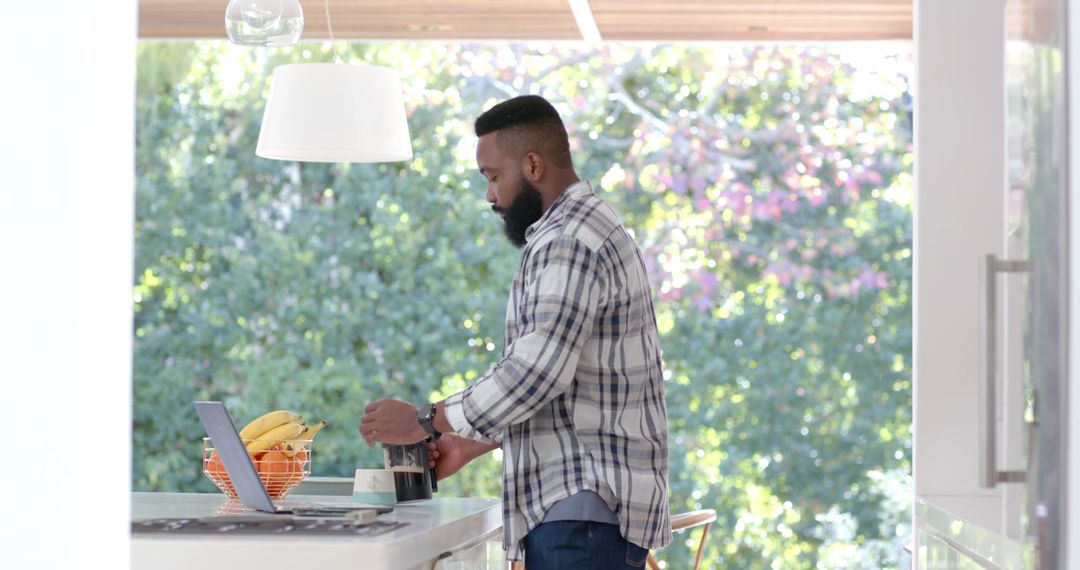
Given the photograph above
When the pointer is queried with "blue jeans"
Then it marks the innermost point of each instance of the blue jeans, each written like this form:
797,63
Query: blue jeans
581,545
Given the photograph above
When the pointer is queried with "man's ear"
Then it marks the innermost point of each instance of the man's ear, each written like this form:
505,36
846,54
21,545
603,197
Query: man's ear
532,166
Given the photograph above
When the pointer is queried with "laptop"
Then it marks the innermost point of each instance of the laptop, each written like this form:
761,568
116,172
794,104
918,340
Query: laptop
245,478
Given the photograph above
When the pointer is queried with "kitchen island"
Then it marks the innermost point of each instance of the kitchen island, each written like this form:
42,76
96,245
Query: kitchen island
456,533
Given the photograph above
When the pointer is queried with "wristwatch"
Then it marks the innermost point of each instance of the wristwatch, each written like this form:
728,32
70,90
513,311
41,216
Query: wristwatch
426,416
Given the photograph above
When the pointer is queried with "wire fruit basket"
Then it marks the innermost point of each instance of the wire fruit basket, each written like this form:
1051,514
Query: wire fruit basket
280,468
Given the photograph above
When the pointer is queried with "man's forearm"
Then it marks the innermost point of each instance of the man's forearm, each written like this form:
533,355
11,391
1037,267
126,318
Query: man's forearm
475,448
478,448
441,423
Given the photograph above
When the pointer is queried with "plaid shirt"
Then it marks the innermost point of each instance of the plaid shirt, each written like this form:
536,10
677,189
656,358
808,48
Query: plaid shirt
577,400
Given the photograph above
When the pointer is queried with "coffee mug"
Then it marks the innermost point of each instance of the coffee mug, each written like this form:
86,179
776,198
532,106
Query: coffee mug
374,486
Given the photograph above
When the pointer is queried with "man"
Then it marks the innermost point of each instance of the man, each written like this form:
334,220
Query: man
577,401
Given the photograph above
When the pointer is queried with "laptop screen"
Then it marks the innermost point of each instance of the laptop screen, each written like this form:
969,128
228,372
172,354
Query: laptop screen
234,456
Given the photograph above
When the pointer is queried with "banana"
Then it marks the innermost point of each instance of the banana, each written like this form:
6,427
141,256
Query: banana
295,444
275,436
267,422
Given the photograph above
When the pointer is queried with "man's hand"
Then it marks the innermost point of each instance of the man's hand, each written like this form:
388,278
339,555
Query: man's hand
447,455
451,452
391,421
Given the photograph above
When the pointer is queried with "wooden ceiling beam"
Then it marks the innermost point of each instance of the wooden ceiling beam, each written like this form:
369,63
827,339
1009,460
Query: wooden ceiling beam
617,20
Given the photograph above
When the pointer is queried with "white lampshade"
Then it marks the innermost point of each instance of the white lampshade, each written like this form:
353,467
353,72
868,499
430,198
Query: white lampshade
334,112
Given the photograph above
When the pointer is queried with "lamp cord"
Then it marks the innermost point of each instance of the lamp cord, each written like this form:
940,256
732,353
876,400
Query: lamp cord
330,28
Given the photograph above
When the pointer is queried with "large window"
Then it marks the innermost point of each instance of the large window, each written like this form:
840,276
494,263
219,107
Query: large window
769,186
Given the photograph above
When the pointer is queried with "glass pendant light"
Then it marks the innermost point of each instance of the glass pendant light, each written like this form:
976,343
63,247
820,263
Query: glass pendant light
264,22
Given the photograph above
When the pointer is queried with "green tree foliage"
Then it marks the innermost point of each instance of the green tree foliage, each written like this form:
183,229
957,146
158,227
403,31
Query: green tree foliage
770,188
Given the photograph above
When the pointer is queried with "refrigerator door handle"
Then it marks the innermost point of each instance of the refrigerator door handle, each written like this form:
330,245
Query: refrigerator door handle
989,267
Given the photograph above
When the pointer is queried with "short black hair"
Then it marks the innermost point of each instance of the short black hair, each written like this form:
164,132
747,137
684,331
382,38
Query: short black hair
528,123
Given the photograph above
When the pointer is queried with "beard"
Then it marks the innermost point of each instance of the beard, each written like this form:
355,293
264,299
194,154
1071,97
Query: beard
523,212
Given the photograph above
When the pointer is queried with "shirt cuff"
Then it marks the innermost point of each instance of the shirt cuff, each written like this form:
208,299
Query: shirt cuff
454,408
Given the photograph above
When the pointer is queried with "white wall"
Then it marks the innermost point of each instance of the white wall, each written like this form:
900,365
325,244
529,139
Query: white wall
1072,513
66,207
959,180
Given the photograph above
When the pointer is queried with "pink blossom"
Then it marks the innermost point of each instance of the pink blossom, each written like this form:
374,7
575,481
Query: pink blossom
791,204
792,179
782,271
679,184
671,295
867,278
698,184
706,280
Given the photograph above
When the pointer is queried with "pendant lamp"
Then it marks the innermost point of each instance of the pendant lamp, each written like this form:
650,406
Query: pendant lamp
334,112
264,22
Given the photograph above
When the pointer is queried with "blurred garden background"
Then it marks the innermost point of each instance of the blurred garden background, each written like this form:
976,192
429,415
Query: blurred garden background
770,187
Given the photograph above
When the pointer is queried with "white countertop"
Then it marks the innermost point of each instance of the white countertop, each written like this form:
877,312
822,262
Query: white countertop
434,527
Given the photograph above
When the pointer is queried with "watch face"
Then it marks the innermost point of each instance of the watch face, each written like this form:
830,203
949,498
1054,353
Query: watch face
426,417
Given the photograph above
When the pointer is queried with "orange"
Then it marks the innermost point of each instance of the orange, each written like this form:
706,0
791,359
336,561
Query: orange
214,465
274,471
216,469
296,466
273,462
301,456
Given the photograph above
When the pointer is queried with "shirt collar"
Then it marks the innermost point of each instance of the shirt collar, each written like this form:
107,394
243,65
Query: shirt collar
579,188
